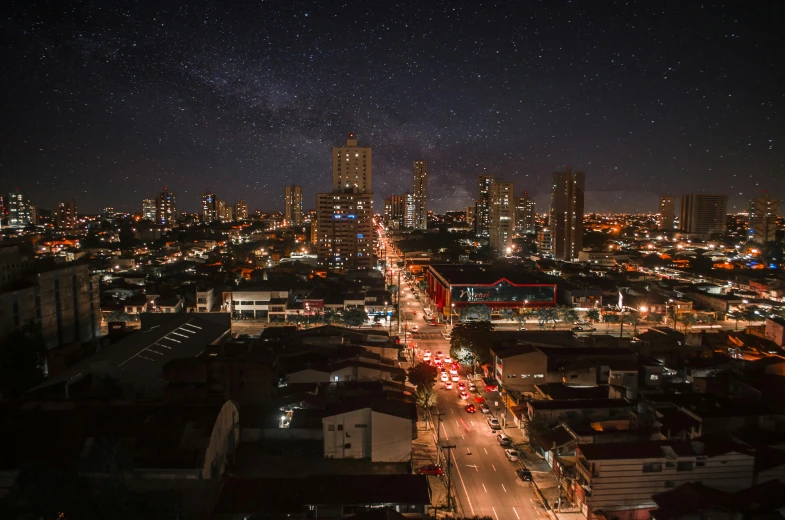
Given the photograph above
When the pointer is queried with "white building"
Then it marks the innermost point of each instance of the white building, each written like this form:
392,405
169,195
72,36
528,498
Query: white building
251,304
381,431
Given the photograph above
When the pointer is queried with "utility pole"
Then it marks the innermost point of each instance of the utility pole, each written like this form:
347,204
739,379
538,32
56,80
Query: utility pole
449,449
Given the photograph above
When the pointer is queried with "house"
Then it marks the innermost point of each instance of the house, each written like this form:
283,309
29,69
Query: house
775,330
579,411
379,430
519,367
695,500
621,479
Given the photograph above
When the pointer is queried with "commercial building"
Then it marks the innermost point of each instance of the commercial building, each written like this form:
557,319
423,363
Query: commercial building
409,210
703,214
165,208
452,287
66,215
241,210
502,217
420,194
566,215
525,216
19,210
293,212
482,207
352,167
61,300
544,242
762,219
344,232
148,209
667,212
210,205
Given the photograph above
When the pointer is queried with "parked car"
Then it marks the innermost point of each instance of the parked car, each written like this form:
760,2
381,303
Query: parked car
504,440
524,474
484,408
470,408
494,423
431,469
511,454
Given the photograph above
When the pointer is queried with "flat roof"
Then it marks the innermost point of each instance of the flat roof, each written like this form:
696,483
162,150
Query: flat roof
482,274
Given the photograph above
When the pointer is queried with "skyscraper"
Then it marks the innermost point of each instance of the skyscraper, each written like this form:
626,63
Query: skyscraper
148,209
18,208
566,215
241,210
525,216
409,210
293,212
762,219
420,194
703,214
352,167
502,216
165,208
344,217
667,212
482,208
209,207
66,215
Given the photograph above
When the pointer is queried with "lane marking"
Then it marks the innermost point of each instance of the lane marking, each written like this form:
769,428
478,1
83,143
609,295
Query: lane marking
504,488
463,437
494,467
516,513
486,451
445,432
458,469
483,486
494,513
457,424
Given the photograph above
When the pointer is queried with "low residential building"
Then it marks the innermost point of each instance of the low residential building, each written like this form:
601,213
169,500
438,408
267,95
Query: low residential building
694,500
775,330
255,303
620,479
579,411
381,431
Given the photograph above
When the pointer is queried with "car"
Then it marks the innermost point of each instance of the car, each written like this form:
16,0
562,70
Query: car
494,423
445,376
448,385
484,408
524,474
463,395
522,328
439,354
455,378
472,387
511,454
461,386
417,296
427,353
470,408
415,328
504,440
577,328
431,469
447,359
453,370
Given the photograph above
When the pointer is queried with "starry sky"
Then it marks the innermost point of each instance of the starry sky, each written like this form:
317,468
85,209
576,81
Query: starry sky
105,102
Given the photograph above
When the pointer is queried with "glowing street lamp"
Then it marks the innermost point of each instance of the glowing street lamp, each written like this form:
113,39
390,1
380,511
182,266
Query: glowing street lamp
452,311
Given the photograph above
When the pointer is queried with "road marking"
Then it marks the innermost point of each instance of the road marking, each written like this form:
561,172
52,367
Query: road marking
463,437
472,423
504,488
475,466
486,451
457,424
483,486
471,507
445,432
494,513
494,467
468,451
516,513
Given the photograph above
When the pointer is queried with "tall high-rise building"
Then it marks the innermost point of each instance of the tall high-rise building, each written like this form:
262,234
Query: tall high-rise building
18,208
344,217
525,217
352,167
165,208
241,210
66,215
544,242
482,208
224,212
420,194
762,219
294,205
210,205
148,209
502,216
409,210
667,212
566,215
703,214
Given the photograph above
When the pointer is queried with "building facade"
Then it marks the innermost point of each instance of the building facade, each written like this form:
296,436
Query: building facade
344,232
667,212
165,208
66,215
409,210
482,206
502,217
703,214
379,433
293,212
525,216
148,209
352,167
762,219
19,211
566,215
241,210
421,195
210,205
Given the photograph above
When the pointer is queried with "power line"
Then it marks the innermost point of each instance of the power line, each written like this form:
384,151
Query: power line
449,448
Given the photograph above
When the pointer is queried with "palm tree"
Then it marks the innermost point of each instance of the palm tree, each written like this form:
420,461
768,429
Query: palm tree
507,314
736,316
633,318
569,315
751,314
654,318
594,316
688,319
610,319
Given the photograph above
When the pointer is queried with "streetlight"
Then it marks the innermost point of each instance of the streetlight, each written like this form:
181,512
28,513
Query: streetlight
452,311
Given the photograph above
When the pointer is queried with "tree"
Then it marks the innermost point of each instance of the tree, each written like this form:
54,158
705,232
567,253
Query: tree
22,359
610,319
422,374
654,318
475,337
751,313
355,317
119,316
633,318
473,313
426,398
331,317
507,314
569,315
687,319
594,316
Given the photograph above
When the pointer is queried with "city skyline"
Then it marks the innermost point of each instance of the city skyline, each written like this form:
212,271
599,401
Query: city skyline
108,109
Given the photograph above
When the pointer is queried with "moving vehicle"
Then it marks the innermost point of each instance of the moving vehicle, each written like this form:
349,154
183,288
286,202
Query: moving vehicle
472,387
445,376
484,408
511,454
524,474
504,440
415,328
448,385
431,469
470,408
491,385
463,395
439,354
494,423
461,386
456,378
447,359
453,370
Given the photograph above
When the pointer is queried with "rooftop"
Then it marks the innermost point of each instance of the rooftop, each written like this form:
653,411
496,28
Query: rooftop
481,274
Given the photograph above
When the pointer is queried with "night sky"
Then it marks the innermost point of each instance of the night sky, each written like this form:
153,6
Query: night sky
106,102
